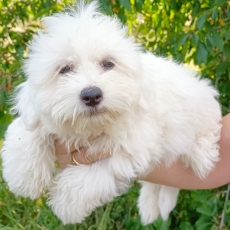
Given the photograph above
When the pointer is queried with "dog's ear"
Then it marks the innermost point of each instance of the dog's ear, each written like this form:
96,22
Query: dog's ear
143,104
143,97
24,107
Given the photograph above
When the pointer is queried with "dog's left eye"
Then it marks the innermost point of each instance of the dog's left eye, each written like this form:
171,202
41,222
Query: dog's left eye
66,69
107,65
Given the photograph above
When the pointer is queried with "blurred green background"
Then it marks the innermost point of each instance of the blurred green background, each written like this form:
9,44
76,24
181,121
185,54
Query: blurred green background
195,32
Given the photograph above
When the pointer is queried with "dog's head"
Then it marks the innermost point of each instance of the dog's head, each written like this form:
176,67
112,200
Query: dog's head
81,70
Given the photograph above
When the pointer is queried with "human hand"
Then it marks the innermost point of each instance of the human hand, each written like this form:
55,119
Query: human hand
65,157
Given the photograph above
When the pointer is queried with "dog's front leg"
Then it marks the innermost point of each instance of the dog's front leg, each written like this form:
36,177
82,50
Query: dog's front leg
28,160
79,190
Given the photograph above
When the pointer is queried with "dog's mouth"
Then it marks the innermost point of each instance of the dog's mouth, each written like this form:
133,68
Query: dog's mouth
95,112
102,113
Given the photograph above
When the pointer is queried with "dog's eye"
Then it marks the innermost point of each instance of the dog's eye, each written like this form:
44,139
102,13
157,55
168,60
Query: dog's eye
107,65
66,69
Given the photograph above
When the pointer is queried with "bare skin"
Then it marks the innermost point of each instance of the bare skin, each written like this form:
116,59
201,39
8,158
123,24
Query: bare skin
64,158
176,175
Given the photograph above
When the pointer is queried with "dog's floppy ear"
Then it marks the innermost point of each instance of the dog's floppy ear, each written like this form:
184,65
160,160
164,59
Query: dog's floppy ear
23,106
143,97
143,104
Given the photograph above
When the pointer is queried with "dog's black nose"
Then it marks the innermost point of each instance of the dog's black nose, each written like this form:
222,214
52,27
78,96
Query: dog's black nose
91,96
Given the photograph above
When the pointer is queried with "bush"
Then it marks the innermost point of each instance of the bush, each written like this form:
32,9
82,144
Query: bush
196,32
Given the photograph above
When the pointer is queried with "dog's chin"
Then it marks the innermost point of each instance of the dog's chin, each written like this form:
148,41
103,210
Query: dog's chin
95,112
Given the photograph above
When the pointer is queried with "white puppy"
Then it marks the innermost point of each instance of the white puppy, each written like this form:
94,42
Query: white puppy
90,85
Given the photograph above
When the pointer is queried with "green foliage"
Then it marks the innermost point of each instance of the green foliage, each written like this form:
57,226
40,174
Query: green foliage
196,32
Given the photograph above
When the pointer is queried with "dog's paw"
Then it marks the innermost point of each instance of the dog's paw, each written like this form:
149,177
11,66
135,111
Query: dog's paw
148,203
78,191
28,161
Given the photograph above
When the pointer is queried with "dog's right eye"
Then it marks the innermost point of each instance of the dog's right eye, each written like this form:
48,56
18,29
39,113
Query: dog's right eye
66,69
107,65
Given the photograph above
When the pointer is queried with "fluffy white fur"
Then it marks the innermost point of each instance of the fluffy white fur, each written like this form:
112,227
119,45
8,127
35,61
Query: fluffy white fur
153,111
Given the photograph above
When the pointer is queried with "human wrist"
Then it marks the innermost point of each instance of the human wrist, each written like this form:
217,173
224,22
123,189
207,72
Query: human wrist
63,161
74,158
80,157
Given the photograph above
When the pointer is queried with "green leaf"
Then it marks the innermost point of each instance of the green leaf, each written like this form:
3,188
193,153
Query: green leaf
204,226
227,50
126,4
205,210
228,13
201,53
214,13
227,34
182,39
209,48
218,40
104,219
161,224
200,22
122,16
184,51
106,6
229,73
203,223
209,45
5,120
221,68
186,225
151,35
224,109
219,2
41,13
138,5
195,9
210,39
195,39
